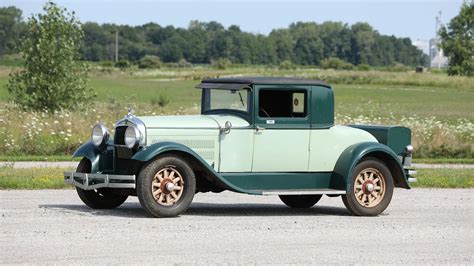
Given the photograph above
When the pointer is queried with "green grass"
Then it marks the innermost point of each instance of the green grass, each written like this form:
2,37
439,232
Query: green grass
437,108
37,158
356,93
444,160
180,92
444,178
33,178
67,158
52,178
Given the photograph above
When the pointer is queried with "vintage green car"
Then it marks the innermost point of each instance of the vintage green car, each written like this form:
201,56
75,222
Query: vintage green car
260,136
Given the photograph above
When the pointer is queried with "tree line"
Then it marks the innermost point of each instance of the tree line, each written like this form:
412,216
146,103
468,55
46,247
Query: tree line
302,43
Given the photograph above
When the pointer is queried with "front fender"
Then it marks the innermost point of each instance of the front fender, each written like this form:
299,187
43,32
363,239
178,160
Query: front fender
98,158
354,153
150,152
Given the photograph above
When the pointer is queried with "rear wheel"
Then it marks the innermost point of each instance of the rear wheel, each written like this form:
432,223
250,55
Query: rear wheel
369,189
300,201
102,198
166,186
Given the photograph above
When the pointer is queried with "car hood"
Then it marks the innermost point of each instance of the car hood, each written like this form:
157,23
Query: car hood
192,121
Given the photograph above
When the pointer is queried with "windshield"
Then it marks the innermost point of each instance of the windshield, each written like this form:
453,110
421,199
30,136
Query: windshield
216,99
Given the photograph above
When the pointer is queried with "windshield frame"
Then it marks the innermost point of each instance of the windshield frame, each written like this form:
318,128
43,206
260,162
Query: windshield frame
206,102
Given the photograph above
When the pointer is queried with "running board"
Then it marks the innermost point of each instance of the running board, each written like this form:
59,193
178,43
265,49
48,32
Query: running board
304,192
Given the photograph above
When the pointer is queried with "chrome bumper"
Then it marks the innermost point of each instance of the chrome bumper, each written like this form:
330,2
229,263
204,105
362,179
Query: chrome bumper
95,181
411,173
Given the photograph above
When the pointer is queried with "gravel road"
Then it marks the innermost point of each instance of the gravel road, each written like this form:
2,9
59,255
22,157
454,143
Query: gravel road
429,226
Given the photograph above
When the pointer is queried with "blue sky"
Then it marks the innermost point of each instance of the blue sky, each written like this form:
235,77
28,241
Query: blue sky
403,18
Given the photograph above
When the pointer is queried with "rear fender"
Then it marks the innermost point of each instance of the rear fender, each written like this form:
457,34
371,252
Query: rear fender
357,152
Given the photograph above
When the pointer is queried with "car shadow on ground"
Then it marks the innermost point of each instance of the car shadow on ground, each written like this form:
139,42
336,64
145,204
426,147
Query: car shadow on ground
134,210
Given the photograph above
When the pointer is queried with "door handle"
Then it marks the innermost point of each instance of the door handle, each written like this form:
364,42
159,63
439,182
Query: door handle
259,128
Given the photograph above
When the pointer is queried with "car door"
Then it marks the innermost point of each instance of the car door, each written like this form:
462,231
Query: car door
282,128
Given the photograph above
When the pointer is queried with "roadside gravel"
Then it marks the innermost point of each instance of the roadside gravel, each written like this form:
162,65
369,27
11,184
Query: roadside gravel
421,226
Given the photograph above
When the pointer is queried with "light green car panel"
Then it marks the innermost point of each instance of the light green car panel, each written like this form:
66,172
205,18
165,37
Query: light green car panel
179,122
202,141
236,151
245,149
278,150
327,145
201,134
237,122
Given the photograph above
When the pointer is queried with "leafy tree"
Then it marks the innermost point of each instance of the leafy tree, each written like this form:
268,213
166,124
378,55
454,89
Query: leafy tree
52,78
457,41
10,27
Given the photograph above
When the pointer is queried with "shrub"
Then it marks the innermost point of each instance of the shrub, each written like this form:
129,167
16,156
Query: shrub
221,63
107,63
363,67
149,61
183,63
122,64
335,63
287,65
162,101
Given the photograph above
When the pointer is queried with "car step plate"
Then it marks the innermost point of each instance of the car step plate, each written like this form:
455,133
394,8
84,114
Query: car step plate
304,192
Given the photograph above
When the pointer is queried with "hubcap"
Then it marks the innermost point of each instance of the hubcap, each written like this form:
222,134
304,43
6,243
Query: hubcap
369,187
167,186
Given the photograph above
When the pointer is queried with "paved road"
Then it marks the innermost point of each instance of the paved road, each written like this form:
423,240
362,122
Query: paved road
420,226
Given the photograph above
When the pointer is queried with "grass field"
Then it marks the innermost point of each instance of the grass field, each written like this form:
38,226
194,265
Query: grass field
439,109
52,178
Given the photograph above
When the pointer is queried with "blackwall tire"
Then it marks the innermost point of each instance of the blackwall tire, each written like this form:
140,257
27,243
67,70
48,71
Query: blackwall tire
300,201
102,198
166,186
369,189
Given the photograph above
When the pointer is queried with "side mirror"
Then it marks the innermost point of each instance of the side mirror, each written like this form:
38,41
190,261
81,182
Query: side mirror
227,127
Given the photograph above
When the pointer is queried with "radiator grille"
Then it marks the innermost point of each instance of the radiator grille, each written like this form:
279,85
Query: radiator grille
204,147
119,137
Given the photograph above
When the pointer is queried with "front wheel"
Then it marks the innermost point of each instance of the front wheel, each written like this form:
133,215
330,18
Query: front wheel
300,201
166,186
102,198
370,188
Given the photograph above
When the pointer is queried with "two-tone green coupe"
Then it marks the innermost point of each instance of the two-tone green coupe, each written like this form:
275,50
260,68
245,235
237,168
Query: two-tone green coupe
260,136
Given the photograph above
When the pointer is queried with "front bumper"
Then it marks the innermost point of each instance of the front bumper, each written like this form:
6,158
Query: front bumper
95,181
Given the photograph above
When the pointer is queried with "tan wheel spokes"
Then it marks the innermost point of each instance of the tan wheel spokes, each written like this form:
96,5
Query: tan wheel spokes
369,187
167,186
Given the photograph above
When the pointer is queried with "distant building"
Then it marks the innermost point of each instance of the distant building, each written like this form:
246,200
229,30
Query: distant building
437,59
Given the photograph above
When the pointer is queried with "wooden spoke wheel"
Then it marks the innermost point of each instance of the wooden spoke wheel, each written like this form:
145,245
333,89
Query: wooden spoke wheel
369,188
167,186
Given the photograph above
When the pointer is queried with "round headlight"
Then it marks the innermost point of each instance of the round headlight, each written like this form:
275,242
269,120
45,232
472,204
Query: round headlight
409,149
100,135
132,137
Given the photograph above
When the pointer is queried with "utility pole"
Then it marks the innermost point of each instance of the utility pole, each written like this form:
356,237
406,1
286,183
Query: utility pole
116,46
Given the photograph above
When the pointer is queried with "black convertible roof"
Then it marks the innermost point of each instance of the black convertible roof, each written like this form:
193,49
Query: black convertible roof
236,83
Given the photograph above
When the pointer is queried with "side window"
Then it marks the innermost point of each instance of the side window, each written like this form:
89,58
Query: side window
282,103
